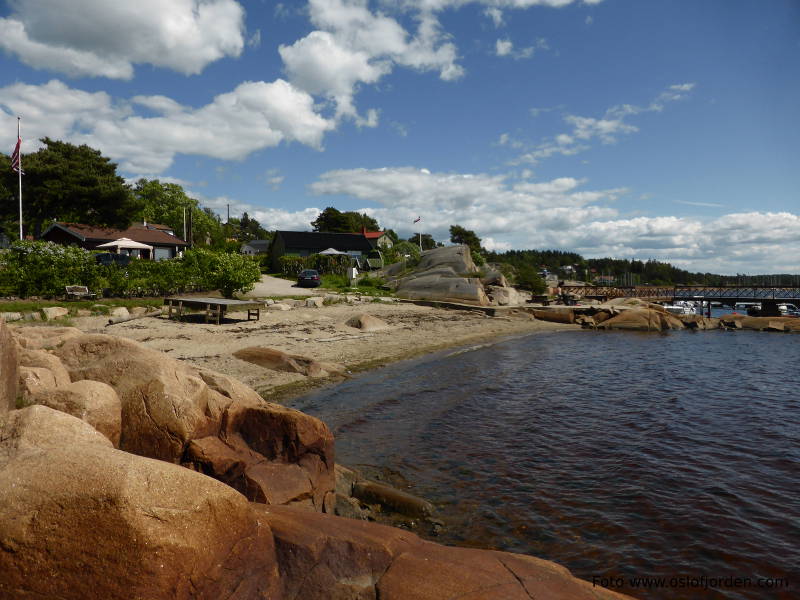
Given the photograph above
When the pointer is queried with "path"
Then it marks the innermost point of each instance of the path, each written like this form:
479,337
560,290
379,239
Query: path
275,286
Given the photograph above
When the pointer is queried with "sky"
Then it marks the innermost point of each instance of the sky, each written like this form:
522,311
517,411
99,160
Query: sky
646,129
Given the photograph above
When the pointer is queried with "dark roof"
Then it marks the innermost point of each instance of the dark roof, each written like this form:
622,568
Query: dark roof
258,244
137,233
312,240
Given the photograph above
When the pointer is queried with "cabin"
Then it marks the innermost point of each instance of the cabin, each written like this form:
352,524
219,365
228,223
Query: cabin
161,237
305,243
255,247
378,239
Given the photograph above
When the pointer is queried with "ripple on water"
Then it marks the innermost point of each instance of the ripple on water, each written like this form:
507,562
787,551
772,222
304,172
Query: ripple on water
632,455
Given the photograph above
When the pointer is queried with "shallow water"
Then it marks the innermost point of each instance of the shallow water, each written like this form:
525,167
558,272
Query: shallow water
615,454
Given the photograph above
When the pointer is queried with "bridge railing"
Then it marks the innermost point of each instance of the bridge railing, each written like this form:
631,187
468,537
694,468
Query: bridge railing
686,292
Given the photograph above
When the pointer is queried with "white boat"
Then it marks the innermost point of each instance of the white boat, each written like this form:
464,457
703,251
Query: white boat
681,307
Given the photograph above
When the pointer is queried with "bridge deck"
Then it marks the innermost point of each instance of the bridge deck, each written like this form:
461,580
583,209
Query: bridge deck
725,294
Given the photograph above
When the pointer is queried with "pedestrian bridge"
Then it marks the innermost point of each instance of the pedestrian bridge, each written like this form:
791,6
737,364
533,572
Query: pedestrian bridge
729,295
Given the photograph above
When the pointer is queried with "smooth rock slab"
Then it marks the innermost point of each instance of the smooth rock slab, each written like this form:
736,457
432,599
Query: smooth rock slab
91,401
322,557
80,520
54,312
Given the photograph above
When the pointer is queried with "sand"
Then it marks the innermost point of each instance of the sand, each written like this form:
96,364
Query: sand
317,333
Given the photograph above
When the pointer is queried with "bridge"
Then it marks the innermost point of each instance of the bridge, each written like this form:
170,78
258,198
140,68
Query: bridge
768,296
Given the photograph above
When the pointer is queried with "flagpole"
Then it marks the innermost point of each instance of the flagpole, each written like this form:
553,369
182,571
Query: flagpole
19,174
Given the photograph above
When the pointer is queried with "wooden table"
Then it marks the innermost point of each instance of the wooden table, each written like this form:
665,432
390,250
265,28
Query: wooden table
215,307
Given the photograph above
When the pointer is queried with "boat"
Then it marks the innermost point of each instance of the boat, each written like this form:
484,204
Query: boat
681,307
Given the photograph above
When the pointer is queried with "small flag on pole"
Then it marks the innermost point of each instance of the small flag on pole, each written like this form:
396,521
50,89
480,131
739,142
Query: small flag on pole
417,220
15,157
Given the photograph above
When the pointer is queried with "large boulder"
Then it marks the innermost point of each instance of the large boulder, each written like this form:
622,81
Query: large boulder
322,557
643,320
276,360
456,257
443,287
168,404
33,380
366,323
80,519
9,374
504,296
443,274
44,359
92,401
35,338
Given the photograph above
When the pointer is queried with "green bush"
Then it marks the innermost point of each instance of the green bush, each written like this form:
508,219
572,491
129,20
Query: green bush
45,269
333,264
234,272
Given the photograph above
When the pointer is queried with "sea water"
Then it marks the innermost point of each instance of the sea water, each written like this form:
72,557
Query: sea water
660,465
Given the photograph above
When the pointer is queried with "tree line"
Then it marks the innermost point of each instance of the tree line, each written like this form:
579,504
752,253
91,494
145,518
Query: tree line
69,183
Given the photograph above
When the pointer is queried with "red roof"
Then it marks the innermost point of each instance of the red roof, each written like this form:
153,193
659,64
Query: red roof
373,235
137,233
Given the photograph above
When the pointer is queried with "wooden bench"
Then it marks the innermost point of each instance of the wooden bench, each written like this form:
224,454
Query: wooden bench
79,292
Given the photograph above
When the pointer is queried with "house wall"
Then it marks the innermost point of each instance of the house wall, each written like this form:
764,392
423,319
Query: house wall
277,250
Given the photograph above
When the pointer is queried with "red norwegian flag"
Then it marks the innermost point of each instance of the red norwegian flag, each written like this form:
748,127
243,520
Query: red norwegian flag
16,164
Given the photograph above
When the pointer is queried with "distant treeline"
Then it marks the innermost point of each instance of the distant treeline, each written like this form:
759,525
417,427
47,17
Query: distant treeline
627,272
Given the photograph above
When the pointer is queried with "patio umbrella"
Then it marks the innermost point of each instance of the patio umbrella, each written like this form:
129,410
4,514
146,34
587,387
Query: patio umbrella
331,251
125,243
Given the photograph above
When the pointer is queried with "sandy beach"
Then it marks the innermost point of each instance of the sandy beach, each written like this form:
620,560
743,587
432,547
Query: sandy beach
320,334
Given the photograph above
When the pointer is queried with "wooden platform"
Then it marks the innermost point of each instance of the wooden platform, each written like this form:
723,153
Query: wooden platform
215,307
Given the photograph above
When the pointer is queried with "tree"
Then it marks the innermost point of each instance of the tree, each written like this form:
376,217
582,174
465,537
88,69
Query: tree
332,220
163,203
65,182
460,235
528,279
427,241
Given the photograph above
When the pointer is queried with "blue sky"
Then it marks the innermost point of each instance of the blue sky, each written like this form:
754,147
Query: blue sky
628,128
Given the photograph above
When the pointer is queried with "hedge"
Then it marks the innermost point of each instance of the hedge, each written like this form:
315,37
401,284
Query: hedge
333,264
44,269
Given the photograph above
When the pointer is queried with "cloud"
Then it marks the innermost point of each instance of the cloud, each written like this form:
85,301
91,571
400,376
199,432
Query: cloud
496,15
253,116
503,47
354,46
562,213
607,129
96,38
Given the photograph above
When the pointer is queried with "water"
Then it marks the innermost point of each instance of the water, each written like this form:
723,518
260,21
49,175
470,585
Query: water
615,454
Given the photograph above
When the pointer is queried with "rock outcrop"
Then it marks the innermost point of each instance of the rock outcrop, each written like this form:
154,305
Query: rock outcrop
290,363
366,323
9,370
80,519
322,557
35,338
443,274
174,412
92,401
643,320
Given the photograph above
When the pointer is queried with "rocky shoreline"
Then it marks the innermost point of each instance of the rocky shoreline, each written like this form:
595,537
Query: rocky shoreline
131,474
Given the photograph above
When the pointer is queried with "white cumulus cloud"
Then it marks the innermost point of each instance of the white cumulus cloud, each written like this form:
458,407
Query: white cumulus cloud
253,116
97,38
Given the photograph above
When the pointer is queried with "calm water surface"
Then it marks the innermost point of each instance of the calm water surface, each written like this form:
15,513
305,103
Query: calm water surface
614,454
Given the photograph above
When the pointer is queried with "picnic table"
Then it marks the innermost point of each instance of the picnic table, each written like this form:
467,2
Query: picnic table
215,307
